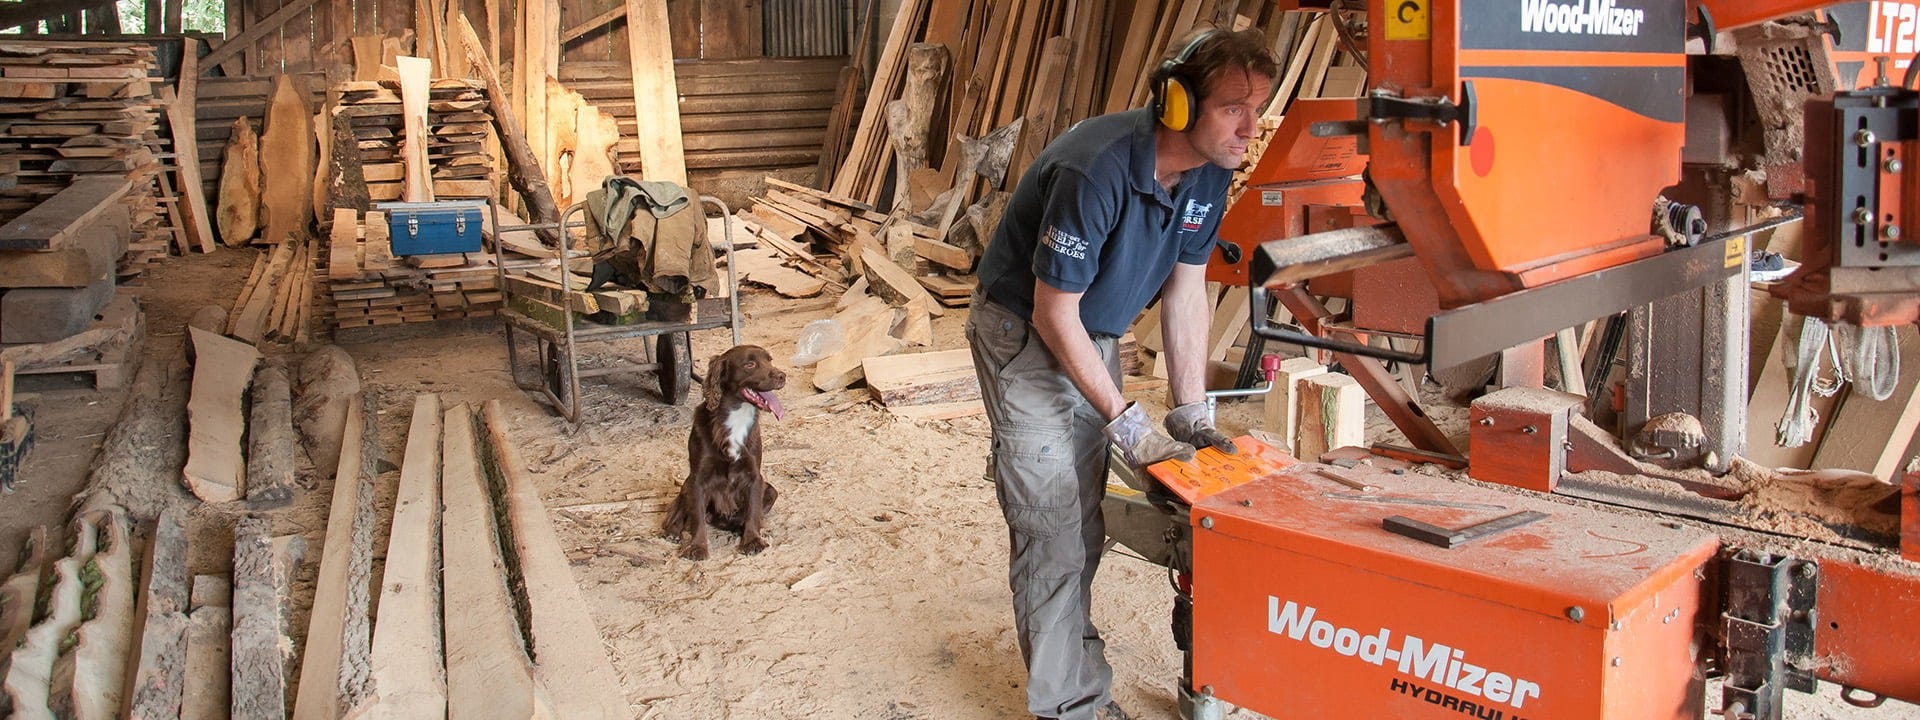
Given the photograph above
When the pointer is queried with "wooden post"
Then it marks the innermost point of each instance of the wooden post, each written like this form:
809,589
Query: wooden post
655,98
415,75
523,167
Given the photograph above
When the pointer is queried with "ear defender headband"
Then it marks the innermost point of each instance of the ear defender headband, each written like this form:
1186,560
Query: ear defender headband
1176,101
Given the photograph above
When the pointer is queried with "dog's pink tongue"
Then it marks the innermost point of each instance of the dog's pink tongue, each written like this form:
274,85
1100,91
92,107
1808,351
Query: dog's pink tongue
765,401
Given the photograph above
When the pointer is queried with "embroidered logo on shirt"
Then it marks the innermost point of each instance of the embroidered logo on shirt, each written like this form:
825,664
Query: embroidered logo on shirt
1066,244
1195,216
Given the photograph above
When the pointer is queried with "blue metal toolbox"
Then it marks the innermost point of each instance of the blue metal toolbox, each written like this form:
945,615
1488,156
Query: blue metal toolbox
432,228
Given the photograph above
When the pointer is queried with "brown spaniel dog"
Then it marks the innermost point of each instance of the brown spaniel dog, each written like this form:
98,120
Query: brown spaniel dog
723,486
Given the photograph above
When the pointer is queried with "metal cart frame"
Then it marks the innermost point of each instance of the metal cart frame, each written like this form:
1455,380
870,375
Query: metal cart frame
556,380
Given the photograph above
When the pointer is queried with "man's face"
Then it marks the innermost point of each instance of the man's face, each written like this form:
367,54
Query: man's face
1229,116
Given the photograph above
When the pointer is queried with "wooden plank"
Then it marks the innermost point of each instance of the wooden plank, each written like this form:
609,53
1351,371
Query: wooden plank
1332,415
890,281
260,646
869,135
1228,317
415,74
287,160
30,670
209,652
409,679
18,593
238,213
648,48
192,205
596,22
560,622
51,224
337,632
160,651
489,674
931,378
89,680
222,369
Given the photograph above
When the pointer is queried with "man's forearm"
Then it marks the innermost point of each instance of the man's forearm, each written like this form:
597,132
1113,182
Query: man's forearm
1184,317
1060,328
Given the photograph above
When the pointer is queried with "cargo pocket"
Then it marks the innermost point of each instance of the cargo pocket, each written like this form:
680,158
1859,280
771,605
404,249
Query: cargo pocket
1038,488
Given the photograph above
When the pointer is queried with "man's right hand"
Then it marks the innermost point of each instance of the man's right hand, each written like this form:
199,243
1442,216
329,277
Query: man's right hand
1141,443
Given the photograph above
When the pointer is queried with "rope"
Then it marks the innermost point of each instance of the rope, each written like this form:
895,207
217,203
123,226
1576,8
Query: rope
1876,362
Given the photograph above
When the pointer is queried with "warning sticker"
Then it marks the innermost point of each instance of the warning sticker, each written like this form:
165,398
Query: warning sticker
1408,20
1737,251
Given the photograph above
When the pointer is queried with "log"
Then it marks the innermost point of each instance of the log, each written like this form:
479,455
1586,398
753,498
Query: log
909,119
560,622
892,282
325,384
489,674
239,207
30,670
523,167
160,662
260,647
1282,406
346,177
1333,415
89,681
138,467
409,678
866,325
209,653
271,463
222,369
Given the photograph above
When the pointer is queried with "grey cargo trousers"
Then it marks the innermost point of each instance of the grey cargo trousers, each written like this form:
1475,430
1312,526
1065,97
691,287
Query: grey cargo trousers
1049,467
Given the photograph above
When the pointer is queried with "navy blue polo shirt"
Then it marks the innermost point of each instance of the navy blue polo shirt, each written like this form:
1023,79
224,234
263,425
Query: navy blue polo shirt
1089,217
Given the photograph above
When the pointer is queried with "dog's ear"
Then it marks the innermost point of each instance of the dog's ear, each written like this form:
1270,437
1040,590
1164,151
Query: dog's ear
719,377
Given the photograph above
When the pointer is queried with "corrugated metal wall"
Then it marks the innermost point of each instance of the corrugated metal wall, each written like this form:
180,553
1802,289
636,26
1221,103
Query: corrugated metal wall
807,28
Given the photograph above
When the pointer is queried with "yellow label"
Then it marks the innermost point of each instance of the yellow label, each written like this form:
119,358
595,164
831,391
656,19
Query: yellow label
1737,251
1407,20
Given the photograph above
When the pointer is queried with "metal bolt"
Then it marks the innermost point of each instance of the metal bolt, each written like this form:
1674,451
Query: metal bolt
1805,570
1576,613
1486,421
1615,663
1864,138
1246,503
1894,165
1615,626
1206,522
1399,471
1892,232
1529,429
1862,216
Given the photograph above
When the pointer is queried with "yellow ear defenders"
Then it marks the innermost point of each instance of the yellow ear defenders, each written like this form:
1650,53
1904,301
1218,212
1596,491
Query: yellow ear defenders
1176,99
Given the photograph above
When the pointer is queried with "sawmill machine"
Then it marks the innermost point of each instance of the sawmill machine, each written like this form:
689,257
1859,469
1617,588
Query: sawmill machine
1527,166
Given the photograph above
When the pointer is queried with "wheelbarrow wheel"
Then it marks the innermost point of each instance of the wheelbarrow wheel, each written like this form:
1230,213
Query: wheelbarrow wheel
676,366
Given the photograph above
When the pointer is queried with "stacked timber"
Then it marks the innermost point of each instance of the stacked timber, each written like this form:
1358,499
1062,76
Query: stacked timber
458,124
78,204
368,286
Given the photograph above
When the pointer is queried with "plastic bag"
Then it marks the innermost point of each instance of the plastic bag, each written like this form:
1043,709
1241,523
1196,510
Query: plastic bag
817,340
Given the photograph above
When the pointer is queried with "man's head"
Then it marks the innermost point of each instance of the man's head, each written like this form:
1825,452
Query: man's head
1212,89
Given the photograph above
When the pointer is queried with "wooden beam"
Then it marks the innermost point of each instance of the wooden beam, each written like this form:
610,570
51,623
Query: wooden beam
254,32
191,192
1332,415
598,21
1282,404
649,53
160,655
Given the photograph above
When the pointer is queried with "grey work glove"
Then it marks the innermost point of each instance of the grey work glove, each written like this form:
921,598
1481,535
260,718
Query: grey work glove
1140,444
1189,424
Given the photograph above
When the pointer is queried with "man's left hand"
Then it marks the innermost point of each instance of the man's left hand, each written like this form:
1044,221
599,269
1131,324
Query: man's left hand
1189,424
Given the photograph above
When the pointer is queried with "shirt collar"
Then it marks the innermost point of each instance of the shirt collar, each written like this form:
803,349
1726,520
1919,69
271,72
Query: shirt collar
1145,125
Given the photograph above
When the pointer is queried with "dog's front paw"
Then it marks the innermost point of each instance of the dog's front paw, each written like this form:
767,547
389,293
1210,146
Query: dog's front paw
752,546
694,551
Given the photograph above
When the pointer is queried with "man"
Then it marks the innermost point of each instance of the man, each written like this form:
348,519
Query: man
1117,209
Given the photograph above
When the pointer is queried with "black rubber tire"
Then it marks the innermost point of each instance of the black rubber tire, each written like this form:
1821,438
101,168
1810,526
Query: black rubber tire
676,366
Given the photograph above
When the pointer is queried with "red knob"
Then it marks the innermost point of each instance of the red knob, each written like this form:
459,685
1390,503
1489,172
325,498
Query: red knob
1270,366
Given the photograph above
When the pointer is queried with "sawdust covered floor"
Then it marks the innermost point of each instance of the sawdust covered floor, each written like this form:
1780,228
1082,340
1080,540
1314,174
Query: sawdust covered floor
883,597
